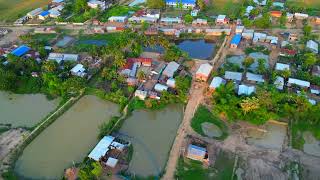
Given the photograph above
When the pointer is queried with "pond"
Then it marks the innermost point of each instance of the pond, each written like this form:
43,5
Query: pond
24,110
152,134
93,42
66,141
198,49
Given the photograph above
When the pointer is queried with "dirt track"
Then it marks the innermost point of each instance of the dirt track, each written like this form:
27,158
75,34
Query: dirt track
196,95
8,141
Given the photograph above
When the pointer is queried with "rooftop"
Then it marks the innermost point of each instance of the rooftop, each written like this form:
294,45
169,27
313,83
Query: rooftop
20,50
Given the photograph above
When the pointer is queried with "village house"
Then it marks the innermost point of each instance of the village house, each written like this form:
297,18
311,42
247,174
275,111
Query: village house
301,16
194,12
184,3
279,83
248,34
142,19
316,71
170,69
259,37
293,37
43,15
216,82
56,12
60,57
197,153
101,150
248,10
98,4
254,78
160,87
98,30
289,17
317,20
141,94
131,81
298,82
275,14
260,2
239,29
34,13
199,22
313,46
21,50
246,90
153,13
119,19
217,32
204,72
78,70
222,20
44,30
282,67
278,4
234,76
272,39
235,41
169,20
314,89
171,83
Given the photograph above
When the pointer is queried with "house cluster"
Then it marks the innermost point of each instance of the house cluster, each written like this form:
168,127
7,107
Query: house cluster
23,51
54,11
96,4
155,76
254,37
110,152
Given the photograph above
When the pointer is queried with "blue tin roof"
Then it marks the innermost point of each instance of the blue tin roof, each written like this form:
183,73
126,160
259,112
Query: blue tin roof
182,1
44,13
20,50
236,39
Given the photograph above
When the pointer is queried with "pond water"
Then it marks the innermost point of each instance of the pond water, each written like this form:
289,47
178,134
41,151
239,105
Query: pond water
24,110
152,134
93,42
198,49
69,139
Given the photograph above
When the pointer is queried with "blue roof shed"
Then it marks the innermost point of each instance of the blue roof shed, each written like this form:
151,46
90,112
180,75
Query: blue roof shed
236,39
44,13
20,50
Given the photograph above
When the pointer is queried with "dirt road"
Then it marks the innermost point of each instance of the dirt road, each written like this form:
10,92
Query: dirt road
196,95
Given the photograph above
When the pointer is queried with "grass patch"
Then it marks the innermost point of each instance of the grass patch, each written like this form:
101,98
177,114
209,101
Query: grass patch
13,9
204,115
117,11
188,169
227,7
297,130
224,165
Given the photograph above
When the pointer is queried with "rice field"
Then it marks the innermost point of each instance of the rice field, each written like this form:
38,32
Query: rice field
13,9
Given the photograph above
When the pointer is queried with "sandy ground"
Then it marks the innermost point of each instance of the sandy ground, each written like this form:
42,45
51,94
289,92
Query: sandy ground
8,141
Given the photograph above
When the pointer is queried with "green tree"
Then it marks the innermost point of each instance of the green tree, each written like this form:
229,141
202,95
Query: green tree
156,4
249,104
261,66
97,169
247,62
141,75
72,86
263,22
283,19
309,60
50,66
7,80
80,6
201,4
188,18
307,30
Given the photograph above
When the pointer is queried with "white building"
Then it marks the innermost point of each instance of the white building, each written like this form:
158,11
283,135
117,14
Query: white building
313,46
120,19
254,77
301,16
159,87
279,82
246,90
34,13
282,67
235,76
216,82
98,4
298,82
78,70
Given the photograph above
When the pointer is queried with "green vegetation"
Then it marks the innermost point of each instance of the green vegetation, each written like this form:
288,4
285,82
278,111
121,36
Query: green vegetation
312,7
14,9
156,4
230,7
188,169
262,49
204,115
117,11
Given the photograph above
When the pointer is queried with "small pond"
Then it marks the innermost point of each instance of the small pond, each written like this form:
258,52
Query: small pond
67,140
152,134
198,49
24,110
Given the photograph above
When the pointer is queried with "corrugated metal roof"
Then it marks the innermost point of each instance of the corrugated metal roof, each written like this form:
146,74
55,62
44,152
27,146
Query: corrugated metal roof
279,82
182,1
236,39
101,148
299,82
204,69
217,82
254,77
233,75
246,90
21,50
282,67
44,13
196,150
171,68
